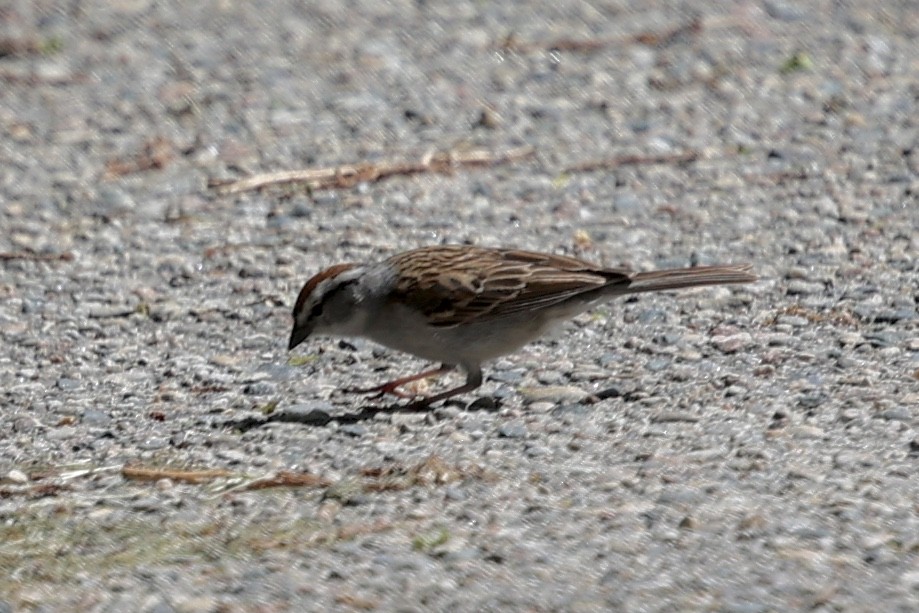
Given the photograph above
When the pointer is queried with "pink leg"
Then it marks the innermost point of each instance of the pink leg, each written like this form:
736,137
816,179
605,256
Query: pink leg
473,381
390,387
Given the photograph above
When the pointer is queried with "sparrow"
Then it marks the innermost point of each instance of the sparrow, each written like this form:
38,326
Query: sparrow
462,305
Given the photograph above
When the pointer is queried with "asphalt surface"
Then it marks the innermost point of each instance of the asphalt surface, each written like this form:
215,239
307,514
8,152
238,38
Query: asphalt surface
754,448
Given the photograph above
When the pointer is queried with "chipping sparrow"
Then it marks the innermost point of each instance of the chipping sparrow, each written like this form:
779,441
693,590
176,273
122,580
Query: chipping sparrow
462,305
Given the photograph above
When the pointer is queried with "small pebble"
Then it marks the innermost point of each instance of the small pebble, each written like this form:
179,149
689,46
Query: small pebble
550,393
353,429
733,343
512,429
17,476
152,443
794,321
900,413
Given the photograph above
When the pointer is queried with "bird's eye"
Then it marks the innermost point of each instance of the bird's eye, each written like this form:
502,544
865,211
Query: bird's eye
316,311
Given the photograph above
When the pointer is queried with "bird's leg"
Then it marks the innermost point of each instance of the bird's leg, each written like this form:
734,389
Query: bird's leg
391,387
473,381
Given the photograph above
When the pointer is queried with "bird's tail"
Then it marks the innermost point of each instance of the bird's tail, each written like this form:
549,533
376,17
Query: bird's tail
676,278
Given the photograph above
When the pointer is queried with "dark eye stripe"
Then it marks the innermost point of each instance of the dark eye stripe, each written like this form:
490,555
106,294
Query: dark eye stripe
316,311
310,286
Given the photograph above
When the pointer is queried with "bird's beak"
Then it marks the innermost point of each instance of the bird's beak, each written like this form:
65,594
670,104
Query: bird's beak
298,335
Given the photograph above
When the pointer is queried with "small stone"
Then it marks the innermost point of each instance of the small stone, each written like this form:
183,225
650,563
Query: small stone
541,407
153,443
262,388
389,450
225,360
673,417
795,321
626,202
165,311
733,391
653,315
783,11
233,456
847,415
512,429
588,374
892,316
883,339
195,604
406,421
62,433
778,339
811,432
508,376
315,413
105,312
356,430
347,492
609,392
182,440
17,476
897,414
658,364
550,377
113,201
812,400
482,403
574,409
67,385
611,359
800,472
803,288
280,372
463,555
850,339
552,393
95,418
852,460
535,451
911,580
453,492
147,503
732,343
684,496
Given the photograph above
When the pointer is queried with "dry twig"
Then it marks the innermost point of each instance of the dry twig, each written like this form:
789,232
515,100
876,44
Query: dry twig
156,154
36,257
348,175
287,478
188,476
633,160
650,38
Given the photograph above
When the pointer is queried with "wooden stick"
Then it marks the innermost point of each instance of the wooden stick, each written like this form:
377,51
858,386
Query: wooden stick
651,38
189,476
35,257
348,175
633,160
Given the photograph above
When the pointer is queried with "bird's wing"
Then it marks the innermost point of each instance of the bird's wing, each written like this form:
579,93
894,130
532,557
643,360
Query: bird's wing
453,285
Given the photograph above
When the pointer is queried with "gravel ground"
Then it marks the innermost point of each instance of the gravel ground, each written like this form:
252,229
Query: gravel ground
756,449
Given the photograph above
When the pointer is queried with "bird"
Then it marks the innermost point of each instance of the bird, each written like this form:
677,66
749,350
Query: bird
462,305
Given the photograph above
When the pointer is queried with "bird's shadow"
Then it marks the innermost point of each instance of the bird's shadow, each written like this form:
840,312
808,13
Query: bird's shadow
320,418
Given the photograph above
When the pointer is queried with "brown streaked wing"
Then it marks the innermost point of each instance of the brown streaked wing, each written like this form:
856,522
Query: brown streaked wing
474,282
